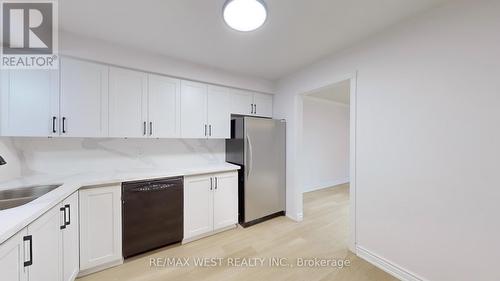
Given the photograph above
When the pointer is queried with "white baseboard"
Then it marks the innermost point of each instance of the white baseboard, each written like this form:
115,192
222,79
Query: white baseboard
101,267
326,184
191,239
297,218
387,266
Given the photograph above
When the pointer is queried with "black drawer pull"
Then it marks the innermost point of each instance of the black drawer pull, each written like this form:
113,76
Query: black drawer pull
68,222
54,119
30,261
63,209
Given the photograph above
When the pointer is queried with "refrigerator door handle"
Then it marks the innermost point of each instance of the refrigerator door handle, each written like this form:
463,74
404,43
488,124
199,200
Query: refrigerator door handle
250,156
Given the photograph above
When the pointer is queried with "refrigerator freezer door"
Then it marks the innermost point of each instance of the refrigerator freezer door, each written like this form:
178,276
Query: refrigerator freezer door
265,167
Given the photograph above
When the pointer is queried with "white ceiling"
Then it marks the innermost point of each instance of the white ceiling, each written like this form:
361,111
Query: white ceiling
297,33
339,92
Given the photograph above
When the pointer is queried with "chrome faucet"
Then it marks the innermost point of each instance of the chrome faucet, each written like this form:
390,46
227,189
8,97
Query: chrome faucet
2,161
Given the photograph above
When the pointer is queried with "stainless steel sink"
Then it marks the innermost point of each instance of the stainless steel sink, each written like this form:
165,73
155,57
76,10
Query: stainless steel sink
11,198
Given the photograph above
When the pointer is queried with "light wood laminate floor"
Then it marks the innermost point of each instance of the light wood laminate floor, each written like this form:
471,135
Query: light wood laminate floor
322,234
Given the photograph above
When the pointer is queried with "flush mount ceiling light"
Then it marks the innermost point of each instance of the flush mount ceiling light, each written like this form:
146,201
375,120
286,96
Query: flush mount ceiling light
244,15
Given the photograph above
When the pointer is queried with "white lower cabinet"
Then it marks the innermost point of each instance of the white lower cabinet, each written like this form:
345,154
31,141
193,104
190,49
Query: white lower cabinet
47,249
71,245
210,204
100,228
46,254
12,258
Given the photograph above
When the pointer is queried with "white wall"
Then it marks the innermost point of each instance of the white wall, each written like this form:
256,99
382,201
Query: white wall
325,143
75,155
91,49
13,167
427,140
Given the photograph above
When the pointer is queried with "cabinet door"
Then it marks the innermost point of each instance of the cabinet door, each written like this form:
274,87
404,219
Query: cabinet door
71,241
219,118
127,103
47,247
12,258
241,102
198,205
225,200
263,105
164,107
84,98
100,226
194,110
29,101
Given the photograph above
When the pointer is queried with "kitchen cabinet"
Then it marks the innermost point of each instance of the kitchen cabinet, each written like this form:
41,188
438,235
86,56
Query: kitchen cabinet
164,110
71,241
194,110
218,115
127,103
225,200
12,258
47,249
84,99
252,104
205,111
210,204
29,103
242,102
46,239
100,228
198,205
263,105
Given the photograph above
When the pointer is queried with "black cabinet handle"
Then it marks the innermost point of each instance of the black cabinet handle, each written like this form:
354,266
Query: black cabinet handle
54,119
63,209
211,183
30,261
255,111
64,125
252,108
216,183
68,222
150,128
210,130
144,129
205,130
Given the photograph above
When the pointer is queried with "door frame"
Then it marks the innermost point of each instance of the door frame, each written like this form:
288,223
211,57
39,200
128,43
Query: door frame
352,77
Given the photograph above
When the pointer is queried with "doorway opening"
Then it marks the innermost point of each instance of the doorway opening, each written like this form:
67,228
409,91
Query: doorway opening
327,153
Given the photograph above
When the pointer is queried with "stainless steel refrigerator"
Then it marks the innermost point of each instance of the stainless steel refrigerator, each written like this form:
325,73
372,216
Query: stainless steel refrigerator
258,146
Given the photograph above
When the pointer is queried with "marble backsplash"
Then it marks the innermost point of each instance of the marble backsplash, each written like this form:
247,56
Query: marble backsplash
67,156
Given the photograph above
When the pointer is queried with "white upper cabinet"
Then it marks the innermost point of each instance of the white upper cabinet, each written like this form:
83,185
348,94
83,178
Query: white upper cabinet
84,99
29,103
164,114
127,103
263,105
92,100
194,110
253,104
242,102
219,117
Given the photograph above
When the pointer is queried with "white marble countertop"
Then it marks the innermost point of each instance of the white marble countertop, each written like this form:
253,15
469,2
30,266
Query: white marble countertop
15,219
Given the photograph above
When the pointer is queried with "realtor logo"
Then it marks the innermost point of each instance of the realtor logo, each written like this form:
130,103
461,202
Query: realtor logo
29,33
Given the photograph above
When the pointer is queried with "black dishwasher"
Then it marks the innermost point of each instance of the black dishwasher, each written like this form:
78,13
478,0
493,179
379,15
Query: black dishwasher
152,214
